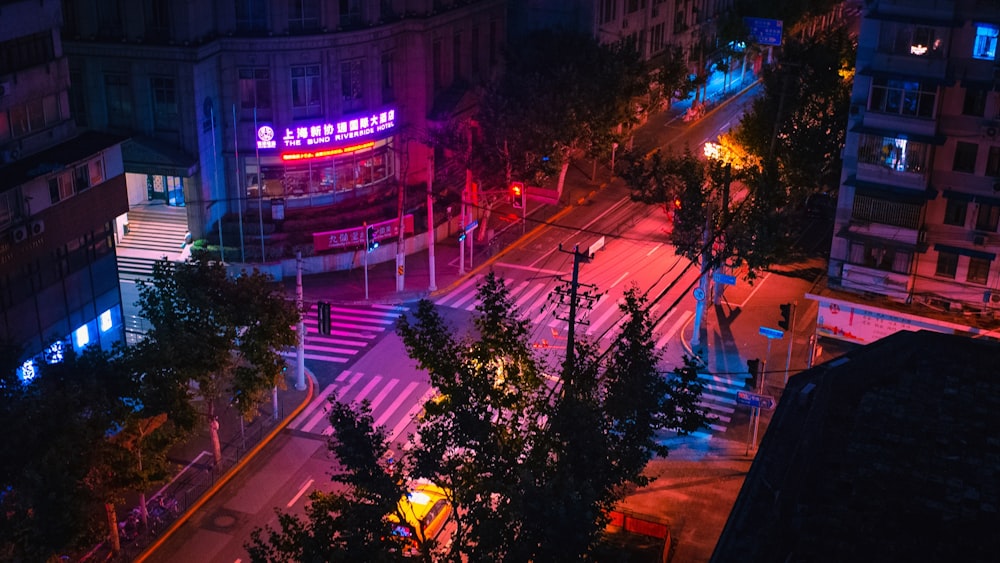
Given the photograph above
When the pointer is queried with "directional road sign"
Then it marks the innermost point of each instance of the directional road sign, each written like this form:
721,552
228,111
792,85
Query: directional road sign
471,226
754,400
724,279
771,332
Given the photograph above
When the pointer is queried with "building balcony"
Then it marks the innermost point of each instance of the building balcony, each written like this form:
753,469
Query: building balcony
873,280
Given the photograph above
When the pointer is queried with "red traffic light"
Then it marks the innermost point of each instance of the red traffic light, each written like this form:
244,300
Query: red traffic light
677,203
517,194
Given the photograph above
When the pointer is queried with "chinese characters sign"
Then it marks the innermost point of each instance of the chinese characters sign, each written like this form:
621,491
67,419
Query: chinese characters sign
322,135
348,238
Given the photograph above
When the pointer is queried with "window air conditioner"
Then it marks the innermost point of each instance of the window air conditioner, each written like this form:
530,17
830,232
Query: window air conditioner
19,234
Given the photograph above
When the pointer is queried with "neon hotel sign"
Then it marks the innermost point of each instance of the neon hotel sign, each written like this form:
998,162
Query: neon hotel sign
322,139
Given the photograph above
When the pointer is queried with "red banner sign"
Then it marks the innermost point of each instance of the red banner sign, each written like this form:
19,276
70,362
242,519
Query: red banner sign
384,231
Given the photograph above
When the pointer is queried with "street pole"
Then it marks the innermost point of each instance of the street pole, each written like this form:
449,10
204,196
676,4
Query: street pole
791,336
364,226
300,345
706,252
461,225
524,209
430,221
614,148
760,391
400,250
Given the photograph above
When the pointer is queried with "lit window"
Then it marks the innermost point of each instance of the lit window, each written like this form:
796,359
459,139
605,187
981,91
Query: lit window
54,353
81,336
27,370
985,46
105,321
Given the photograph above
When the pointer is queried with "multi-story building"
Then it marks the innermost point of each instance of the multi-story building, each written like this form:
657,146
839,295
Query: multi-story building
59,195
916,228
651,25
254,107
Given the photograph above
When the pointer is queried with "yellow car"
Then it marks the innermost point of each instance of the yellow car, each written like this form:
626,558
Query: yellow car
425,510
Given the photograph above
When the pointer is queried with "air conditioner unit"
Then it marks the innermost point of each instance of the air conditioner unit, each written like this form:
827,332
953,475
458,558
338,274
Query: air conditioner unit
19,234
990,129
5,89
979,240
37,228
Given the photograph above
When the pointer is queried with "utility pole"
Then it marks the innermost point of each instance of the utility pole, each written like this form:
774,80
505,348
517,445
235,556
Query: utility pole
791,336
300,345
430,221
461,224
400,251
701,293
569,365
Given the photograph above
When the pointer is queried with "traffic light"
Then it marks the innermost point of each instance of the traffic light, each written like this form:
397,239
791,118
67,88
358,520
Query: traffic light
370,239
517,194
786,316
753,366
323,317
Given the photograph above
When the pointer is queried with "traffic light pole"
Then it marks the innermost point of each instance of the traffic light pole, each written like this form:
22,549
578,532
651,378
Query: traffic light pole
791,336
367,247
300,344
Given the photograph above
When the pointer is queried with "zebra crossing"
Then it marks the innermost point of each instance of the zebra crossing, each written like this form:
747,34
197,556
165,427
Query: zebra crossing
532,299
394,402
352,330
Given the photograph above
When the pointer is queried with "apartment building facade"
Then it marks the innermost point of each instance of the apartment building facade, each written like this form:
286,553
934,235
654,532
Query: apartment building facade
918,212
238,106
60,191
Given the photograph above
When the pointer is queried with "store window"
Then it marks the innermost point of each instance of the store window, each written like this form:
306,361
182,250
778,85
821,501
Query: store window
979,270
319,176
947,264
985,46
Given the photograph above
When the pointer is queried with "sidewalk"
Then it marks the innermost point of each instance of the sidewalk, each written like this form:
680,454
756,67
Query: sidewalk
199,478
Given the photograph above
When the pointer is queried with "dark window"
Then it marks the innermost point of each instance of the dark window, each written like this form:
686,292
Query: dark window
965,157
436,65
947,264
26,51
118,100
904,97
251,15
609,9
109,18
979,270
305,91
158,19
975,102
255,88
987,217
77,102
494,43
352,85
955,211
81,178
303,15
474,50
880,257
388,83
350,13
456,55
165,113
993,162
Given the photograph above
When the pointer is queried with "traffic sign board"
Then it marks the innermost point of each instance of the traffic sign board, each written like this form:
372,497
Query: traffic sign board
771,332
699,294
724,279
754,400
471,226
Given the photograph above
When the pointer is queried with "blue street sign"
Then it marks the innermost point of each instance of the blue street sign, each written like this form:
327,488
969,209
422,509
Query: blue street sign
471,226
771,332
764,31
724,279
754,400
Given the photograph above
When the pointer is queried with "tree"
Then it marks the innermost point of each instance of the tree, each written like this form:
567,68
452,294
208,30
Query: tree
673,77
532,461
221,334
579,91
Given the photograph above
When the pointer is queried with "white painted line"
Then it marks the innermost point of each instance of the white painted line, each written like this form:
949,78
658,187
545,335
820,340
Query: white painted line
302,490
181,472
330,349
757,286
343,376
663,321
321,414
673,329
318,401
528,295
530,269
363,321
395,404
594,325
405,422
383,393
458,291
614,283
325,340
655,248
367,388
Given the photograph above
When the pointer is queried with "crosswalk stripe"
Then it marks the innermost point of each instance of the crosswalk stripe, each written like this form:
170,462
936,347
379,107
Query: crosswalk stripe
459,291
600,320
319,416
402,424
383,393
673,329
318,401
527,295
331,349
395,404
367,388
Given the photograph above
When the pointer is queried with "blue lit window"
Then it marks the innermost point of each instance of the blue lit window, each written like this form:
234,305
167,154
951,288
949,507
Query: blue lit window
54,353
27,370
81,336
105,321
986,42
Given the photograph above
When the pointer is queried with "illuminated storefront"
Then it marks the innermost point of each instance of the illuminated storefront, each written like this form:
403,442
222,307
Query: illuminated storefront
321,158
